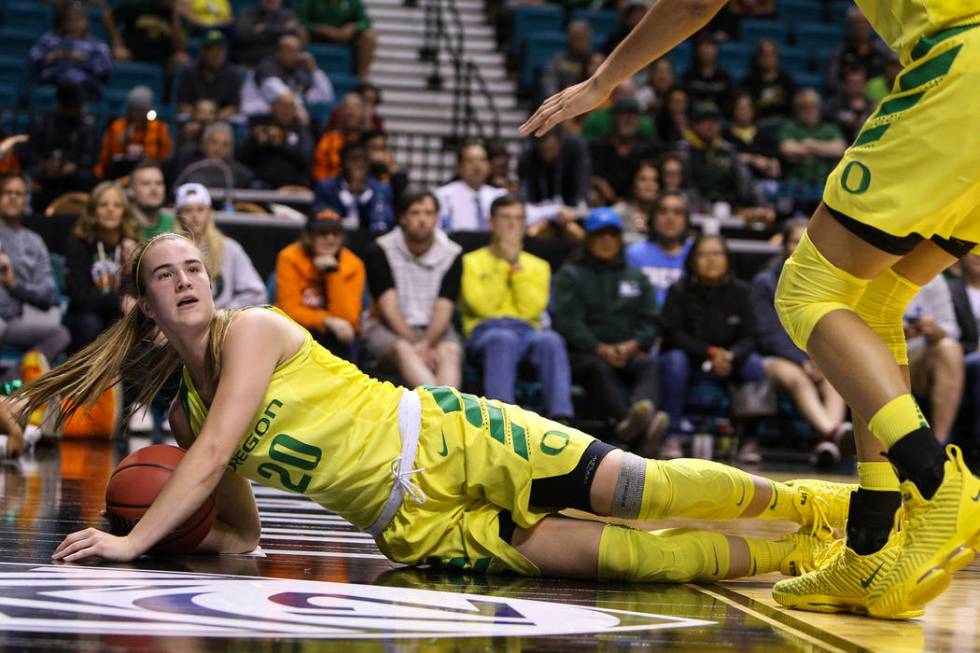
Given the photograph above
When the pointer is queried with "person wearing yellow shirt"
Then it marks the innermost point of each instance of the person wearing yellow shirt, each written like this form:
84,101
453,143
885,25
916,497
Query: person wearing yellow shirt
504,294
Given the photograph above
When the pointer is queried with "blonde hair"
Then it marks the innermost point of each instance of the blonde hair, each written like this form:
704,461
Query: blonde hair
124,353
87,226
211,244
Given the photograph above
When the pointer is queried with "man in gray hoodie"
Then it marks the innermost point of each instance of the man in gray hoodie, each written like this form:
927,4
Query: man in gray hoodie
25,277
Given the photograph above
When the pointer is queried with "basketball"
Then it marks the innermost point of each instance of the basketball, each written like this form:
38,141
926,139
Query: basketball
135,484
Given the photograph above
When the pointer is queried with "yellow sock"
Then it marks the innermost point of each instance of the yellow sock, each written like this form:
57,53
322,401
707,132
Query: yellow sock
878,476
674,555
782,503
700,489
896,419
766,556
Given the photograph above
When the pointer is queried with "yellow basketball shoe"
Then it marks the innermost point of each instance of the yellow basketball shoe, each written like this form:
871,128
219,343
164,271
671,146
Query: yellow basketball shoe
844,581
823,505
942,536
811,552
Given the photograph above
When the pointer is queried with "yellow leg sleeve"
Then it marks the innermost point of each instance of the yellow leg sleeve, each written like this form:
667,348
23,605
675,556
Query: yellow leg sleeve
882,307
700,489
669,556
809,288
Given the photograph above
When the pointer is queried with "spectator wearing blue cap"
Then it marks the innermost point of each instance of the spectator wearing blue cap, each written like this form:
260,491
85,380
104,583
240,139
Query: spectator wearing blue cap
607,313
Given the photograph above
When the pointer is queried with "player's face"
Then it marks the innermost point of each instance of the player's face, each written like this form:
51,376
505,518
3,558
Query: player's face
176,286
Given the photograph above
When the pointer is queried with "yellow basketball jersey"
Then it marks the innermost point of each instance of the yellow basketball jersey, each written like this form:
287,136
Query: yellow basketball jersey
324,429
901,23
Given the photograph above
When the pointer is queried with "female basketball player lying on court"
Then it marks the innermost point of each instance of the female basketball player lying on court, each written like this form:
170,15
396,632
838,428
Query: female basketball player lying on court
436,476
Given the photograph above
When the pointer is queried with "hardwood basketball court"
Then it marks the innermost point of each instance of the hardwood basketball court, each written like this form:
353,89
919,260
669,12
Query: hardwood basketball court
318,584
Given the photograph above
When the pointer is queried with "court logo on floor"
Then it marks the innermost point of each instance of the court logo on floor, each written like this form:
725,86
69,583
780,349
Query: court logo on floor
68,599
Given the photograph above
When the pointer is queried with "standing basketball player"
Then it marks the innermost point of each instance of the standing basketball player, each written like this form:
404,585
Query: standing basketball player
434,475
902,205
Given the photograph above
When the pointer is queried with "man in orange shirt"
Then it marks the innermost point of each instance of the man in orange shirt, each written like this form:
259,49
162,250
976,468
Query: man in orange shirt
351,124
320,284
134,137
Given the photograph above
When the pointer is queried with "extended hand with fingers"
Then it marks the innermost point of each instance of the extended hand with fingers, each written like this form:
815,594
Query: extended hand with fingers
573,101
93,543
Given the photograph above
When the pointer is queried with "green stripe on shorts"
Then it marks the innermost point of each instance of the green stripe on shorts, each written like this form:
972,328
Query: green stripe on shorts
928,71
927,43
871,135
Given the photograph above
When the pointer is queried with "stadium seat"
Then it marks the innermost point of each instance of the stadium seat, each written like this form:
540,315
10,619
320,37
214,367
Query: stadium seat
603,22
343,83
28,16
41,97
680,56
800,11
811,80
127,75
816,35
12,73
8,98
795,60
754,30
332,59
16,42
539,51
534,20
734,55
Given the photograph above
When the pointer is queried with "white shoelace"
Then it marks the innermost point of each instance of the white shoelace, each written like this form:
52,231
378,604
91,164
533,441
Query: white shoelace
403,480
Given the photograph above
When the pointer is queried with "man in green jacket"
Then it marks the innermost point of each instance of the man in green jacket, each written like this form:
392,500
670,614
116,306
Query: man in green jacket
607,313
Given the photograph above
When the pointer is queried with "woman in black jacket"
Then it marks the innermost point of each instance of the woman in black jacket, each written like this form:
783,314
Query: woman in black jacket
708,323
95,253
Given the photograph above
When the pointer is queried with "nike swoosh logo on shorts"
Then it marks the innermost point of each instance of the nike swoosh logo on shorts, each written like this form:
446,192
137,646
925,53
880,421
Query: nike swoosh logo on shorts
445,449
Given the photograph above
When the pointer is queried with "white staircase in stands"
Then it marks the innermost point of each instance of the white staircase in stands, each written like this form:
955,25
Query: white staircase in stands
410,107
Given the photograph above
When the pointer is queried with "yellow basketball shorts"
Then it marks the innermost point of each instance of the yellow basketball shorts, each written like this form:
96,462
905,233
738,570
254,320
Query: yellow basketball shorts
915,166
478,459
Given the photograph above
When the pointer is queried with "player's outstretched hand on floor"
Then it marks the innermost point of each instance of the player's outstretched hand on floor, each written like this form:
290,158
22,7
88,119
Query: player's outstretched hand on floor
93,543
573,101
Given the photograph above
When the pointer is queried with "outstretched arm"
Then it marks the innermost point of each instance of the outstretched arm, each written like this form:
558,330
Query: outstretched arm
666,24
247,366
236,526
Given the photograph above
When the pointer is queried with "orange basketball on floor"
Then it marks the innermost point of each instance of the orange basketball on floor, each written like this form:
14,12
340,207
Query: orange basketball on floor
134,485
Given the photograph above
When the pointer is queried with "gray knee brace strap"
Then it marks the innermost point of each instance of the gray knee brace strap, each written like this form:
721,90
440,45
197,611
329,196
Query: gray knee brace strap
628,497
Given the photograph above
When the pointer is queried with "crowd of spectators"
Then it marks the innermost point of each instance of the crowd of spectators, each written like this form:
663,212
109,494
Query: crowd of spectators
643,315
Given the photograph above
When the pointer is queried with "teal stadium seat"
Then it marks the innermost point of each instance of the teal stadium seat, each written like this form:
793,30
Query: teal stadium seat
540,49
795,60
41,97
534,20
16,42
332,59
603,22
125,76
28,16
800,11
680,56
733,55
754,30
817,35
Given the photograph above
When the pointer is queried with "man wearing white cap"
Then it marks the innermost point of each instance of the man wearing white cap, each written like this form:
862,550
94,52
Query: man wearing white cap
235,281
